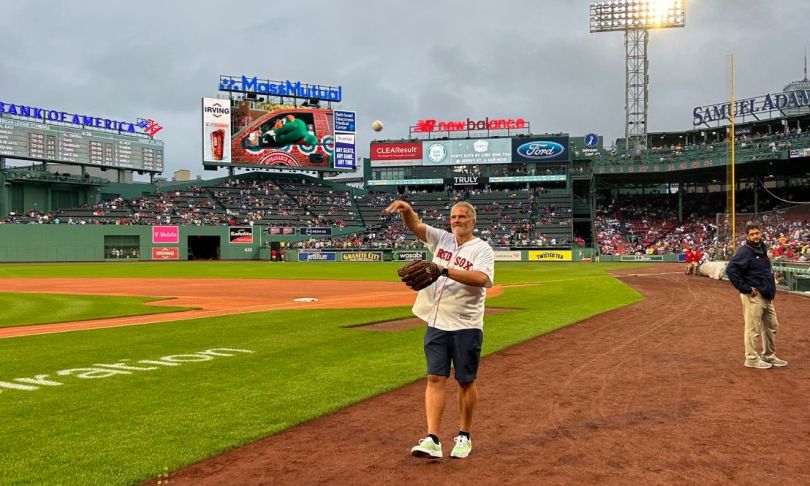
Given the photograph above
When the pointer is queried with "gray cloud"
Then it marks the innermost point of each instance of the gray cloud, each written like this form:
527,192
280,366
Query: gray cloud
397,61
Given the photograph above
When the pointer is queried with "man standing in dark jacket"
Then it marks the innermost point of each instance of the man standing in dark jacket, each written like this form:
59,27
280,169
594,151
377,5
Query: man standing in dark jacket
750,272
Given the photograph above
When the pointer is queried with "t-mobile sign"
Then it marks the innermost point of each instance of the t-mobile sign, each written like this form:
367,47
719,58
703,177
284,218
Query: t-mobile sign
165,234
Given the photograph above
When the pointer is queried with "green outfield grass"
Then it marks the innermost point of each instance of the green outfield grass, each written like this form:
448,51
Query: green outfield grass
508,272
126,428
21,309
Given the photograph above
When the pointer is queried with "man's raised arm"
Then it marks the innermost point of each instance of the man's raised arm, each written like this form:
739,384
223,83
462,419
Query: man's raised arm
409,217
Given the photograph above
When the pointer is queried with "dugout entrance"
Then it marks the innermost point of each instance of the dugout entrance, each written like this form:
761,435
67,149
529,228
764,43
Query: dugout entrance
203,248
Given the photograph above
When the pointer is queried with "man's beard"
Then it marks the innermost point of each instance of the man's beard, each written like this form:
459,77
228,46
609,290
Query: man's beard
751,242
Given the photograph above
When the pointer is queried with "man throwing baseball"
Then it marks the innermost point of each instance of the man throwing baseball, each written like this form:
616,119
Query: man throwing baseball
453,308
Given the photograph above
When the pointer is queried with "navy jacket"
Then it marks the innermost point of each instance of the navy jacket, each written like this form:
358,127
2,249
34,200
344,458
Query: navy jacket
751,267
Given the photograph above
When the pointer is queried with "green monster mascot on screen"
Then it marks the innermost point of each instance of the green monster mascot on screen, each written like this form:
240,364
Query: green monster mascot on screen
291,131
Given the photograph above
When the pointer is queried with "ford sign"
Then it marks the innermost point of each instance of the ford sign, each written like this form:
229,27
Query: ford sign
540,150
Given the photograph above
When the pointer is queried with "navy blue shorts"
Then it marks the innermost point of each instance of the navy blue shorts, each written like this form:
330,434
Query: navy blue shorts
462,348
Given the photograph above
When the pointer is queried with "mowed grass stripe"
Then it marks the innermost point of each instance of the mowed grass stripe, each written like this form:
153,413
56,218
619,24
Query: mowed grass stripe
506,272
23,309
305,364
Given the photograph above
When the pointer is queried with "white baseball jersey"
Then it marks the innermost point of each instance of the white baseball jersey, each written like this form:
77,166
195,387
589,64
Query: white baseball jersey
449,305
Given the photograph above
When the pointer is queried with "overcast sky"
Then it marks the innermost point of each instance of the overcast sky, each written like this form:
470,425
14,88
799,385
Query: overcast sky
398,61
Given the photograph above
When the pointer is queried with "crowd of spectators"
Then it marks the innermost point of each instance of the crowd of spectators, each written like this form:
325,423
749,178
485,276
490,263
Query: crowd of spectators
648,225
669,152
516,218
627,225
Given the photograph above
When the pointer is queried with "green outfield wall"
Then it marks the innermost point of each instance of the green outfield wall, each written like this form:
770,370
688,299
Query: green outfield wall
88,243
64,243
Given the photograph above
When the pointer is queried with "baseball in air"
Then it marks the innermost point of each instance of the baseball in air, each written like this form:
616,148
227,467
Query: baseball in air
377,125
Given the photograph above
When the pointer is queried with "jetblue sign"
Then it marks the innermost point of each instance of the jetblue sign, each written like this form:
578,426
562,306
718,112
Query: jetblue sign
317,256
86,121
544,149
286,89
769,105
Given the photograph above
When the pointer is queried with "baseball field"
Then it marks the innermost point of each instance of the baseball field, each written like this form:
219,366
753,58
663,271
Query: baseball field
215,372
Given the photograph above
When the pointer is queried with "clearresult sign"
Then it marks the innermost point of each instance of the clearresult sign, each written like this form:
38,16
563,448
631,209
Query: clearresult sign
396,154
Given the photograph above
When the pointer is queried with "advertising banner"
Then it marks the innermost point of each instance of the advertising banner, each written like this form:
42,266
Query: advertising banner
361,256
403,182
607,168
550,256
320,256
216,130
800,153
345,141
46,134
242,235
466,152
166,234
281,231
587,146
507,256
287,89
466,180
166,253
396,154
535,178
540,149
316,231
648,258
409,256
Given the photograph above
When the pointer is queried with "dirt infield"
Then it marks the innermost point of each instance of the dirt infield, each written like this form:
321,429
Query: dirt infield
654,393
213,297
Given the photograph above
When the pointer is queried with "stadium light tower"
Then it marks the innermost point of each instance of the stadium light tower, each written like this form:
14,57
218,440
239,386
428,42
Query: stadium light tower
636,18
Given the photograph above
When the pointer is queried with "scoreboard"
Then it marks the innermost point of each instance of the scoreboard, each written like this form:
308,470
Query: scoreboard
22,139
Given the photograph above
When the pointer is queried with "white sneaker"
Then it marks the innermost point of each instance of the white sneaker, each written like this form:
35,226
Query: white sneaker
774,361
462,448
427,448
759,364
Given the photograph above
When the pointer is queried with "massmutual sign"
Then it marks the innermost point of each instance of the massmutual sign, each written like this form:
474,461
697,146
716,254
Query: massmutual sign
286,89
766,106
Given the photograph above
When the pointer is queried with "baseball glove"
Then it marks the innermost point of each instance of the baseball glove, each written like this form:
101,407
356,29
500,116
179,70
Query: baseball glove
419,274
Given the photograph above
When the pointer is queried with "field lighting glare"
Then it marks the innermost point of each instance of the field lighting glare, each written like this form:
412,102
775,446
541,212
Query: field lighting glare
637,14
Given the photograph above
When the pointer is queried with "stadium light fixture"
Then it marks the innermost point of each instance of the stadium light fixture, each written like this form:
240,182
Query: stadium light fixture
621,15
636,18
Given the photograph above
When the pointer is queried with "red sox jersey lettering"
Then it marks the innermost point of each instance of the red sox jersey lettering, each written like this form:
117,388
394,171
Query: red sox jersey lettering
444,254
463,263
459,262
448,304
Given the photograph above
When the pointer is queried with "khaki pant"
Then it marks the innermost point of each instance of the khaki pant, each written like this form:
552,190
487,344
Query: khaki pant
760,322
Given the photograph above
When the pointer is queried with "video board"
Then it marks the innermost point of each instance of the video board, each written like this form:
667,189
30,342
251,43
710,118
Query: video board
248,133
33,140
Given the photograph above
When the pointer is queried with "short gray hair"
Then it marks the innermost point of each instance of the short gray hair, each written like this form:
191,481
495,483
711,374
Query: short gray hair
470,209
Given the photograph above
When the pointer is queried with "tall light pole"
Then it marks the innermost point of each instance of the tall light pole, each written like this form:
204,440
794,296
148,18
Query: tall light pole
636,18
